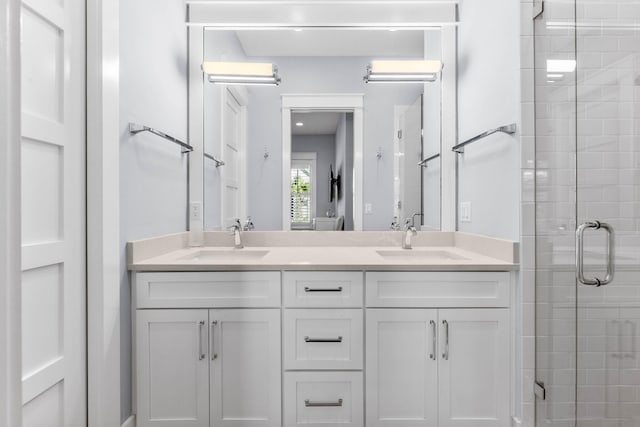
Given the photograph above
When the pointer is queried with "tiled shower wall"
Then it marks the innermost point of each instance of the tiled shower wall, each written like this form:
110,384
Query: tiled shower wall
587,344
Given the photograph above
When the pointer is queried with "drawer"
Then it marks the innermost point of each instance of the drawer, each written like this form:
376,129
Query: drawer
323,339
323,289
438,289
315,399
196,289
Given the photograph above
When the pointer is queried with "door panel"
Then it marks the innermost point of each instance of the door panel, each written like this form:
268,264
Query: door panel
474,366
245,368
173,368
408,153
401,377
53,213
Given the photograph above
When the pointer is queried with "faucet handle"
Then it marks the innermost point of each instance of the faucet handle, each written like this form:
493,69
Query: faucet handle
395,226
237,226
248,224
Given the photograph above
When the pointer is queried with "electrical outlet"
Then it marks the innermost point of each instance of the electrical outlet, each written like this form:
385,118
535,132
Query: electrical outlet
195,211
368,208
465,212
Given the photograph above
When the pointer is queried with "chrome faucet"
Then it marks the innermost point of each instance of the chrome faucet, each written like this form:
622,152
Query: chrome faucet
409,232
236,229
248,225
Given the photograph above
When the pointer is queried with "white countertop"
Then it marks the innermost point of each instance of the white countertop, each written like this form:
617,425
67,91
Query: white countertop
380,251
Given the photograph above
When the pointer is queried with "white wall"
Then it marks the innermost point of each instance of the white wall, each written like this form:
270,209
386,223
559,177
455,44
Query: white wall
153,172
488,97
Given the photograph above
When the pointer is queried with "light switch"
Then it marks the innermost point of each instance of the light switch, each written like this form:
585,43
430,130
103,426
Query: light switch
195,212
368,208
465,212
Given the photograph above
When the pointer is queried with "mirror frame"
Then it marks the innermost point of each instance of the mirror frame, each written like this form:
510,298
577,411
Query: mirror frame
317,14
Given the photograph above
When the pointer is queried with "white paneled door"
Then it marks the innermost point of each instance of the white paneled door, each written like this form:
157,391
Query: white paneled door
53,213
233,154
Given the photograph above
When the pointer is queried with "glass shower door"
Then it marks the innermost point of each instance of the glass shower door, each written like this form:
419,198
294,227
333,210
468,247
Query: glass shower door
608,190
588,179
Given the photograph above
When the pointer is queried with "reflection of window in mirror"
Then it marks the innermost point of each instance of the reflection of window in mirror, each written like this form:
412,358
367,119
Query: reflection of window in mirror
303,185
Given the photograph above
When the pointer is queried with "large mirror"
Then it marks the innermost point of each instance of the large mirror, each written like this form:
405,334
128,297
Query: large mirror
323,150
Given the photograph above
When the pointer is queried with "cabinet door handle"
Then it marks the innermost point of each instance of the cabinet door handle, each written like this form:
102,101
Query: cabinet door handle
432,356
214,355
309,404
200,347
308,339
308,289
445,355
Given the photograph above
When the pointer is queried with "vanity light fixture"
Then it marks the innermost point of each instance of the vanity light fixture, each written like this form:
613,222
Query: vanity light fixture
402,71
241,73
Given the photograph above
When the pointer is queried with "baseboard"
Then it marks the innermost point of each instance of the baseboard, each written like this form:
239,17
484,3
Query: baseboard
131,422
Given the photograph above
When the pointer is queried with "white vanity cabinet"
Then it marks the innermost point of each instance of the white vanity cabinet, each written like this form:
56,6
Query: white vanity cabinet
445,367
218,367
296,348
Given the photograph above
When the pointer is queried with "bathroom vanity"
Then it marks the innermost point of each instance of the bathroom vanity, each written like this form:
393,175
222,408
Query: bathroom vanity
281,334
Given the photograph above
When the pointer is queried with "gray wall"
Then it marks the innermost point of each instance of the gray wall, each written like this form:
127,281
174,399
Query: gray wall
489,96
325,148
153,172
322,75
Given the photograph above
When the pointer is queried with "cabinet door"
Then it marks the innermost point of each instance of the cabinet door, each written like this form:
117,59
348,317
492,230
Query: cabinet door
401,374
172,368
245,368
474,368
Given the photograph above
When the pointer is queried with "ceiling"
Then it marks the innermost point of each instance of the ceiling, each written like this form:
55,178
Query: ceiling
315,123
332,42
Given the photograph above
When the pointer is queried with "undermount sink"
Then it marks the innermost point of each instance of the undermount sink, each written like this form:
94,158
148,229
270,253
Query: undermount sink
420,254
224,255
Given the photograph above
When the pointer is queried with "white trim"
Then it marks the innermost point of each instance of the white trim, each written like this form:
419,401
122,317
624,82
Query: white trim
312,102
103,213
130,422
10,228
364,14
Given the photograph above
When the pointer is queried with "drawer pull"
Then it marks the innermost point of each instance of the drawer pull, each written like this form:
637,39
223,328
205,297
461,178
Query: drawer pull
309,404
308,289
308,339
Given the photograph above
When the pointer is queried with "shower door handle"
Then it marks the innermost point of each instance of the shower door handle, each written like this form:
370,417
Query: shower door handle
595,225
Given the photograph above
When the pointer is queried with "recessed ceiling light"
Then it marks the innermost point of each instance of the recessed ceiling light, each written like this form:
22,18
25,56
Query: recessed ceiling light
297,30
299,124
